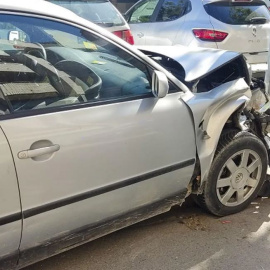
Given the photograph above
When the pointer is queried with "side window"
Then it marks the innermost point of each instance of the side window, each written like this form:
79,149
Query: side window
47,64
172,10
143,12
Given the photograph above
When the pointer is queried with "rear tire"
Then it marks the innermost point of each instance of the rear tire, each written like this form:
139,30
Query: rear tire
236,175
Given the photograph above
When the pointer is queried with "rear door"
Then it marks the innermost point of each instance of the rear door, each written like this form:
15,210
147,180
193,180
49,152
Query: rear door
247,25
165,22
140,18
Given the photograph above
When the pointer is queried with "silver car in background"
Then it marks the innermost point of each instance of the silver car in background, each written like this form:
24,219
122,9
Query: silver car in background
235,25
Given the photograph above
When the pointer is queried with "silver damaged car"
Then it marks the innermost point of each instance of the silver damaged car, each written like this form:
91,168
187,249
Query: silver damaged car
96,135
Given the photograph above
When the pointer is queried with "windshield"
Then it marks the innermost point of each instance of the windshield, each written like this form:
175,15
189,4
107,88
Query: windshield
98,12
237,14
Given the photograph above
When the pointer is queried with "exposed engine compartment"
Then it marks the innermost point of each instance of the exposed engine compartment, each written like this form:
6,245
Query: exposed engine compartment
257,111
228,72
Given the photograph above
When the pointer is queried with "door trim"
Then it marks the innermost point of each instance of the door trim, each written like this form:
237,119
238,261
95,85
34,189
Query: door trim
105,189
10,218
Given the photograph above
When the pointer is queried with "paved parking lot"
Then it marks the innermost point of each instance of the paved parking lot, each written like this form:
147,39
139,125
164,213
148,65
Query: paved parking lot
184,238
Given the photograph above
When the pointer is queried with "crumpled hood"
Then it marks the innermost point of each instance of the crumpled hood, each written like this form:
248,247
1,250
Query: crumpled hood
197,62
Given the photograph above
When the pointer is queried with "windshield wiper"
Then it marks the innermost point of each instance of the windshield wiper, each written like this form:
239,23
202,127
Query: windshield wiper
258,20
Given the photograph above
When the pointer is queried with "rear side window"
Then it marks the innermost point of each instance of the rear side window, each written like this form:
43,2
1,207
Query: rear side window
99,12
143,12
173,9
238,14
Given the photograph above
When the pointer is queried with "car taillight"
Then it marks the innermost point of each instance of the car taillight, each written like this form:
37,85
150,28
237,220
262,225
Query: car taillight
125,35
209,35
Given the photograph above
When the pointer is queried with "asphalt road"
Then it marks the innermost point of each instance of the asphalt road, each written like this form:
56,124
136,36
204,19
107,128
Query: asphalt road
184,238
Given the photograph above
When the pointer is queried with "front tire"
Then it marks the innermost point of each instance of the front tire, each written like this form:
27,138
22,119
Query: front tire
236,175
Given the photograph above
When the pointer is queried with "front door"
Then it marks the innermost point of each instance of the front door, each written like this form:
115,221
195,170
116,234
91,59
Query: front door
89,140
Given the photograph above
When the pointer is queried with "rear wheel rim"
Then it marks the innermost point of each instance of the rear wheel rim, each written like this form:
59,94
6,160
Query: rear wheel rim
239,178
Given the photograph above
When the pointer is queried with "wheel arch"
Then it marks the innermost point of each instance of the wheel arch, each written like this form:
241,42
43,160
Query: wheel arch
211,127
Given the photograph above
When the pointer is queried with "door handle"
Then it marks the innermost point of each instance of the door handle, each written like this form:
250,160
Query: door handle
140,35
38,152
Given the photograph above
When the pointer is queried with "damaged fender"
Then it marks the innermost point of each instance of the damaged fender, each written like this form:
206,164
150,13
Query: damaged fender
211,111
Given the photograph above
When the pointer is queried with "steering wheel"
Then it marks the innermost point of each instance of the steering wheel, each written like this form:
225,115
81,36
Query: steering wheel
38,52
83,76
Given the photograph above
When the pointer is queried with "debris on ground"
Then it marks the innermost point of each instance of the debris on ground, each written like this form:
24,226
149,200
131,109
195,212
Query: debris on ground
225,221
193,222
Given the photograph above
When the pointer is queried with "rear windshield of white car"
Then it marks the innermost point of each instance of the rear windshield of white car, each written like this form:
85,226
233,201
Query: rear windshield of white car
238,14
99,12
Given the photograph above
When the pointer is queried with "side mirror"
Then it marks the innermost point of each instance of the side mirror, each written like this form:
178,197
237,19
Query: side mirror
160,84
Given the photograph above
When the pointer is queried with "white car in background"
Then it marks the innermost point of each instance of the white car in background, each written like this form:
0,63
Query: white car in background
101,12
236,25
